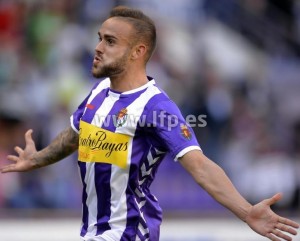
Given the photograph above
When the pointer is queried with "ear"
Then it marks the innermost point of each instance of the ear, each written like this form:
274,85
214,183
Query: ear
139,51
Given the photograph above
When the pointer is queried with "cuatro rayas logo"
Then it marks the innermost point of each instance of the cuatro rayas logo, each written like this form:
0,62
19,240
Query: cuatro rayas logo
102,146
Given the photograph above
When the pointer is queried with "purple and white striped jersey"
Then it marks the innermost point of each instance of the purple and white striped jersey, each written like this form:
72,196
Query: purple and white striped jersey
123,138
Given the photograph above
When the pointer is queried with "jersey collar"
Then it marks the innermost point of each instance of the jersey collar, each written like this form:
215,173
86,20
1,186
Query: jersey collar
118,94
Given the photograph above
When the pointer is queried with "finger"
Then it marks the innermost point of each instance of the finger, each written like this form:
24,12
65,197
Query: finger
281,235
28,137
272,237
285,228
12,158
274,199
19,150
8,168
288,222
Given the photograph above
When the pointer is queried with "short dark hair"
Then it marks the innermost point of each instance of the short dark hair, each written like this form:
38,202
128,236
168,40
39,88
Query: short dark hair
143,25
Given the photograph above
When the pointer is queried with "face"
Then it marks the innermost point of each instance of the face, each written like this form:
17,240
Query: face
112,53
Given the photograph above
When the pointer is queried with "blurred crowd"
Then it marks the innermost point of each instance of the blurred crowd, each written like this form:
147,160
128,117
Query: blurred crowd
235,61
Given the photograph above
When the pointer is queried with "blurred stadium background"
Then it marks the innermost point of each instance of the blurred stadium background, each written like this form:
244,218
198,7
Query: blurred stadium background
235,61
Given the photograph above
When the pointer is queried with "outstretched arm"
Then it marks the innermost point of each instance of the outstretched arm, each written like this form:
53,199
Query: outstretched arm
259,217
29,158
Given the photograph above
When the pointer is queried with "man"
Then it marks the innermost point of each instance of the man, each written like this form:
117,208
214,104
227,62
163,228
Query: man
122,131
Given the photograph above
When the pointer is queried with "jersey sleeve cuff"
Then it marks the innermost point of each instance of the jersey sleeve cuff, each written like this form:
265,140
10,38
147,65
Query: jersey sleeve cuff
72,124
186,150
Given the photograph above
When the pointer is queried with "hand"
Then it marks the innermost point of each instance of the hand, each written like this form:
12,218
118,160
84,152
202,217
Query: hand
24,161
265,222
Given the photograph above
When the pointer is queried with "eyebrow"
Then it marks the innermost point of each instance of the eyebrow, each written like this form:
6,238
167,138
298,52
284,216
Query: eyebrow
107,36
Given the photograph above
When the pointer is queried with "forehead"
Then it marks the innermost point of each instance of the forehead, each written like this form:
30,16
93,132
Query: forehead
116,27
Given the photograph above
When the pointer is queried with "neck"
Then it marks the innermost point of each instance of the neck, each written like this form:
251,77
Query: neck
128,80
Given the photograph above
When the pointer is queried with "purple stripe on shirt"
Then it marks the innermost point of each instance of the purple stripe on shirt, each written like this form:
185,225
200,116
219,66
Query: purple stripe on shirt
103,191
85,211
92,107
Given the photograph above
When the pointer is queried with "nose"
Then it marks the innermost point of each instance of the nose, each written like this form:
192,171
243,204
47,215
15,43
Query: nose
99,47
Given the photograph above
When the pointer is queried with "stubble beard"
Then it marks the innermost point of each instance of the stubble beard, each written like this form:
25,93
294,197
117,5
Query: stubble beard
109,70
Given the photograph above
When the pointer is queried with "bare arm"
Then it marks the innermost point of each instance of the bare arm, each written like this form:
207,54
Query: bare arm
62,146
259,217
214,180
29,158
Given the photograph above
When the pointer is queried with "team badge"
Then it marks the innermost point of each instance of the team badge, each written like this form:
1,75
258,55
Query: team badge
121,117
185,132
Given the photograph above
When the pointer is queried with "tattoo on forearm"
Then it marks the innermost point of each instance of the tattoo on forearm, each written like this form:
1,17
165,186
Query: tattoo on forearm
62,146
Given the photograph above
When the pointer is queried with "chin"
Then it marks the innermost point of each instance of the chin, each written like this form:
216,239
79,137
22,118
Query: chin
97,74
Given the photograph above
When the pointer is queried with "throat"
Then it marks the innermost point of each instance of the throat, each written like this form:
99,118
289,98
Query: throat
127,84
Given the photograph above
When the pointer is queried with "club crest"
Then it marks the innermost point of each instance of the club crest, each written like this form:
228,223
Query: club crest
185,132
121,117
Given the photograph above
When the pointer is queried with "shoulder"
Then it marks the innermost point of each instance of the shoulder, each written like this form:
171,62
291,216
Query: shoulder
159,98
162,101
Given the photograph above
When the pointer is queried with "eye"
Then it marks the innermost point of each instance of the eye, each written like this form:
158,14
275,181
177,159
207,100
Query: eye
110,41
100,39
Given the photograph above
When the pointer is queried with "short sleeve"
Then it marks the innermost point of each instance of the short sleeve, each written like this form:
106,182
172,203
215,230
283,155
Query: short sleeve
170,129
76,117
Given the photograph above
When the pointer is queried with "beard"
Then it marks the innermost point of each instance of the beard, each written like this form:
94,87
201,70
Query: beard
108,70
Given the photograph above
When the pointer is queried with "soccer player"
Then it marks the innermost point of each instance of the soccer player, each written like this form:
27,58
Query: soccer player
122,131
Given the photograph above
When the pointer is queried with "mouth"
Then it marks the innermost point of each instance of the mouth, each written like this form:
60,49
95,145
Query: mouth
97,59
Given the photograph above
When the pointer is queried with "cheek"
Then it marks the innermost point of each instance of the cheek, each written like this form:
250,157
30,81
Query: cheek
110,54
117,52
112,58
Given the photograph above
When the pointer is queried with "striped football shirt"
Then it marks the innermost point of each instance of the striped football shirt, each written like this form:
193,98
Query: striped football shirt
123,137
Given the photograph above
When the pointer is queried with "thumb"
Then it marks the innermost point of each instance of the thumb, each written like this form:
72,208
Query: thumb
28,137
274,199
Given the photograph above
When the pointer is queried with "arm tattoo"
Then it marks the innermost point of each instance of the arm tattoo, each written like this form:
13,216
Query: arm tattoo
62,146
